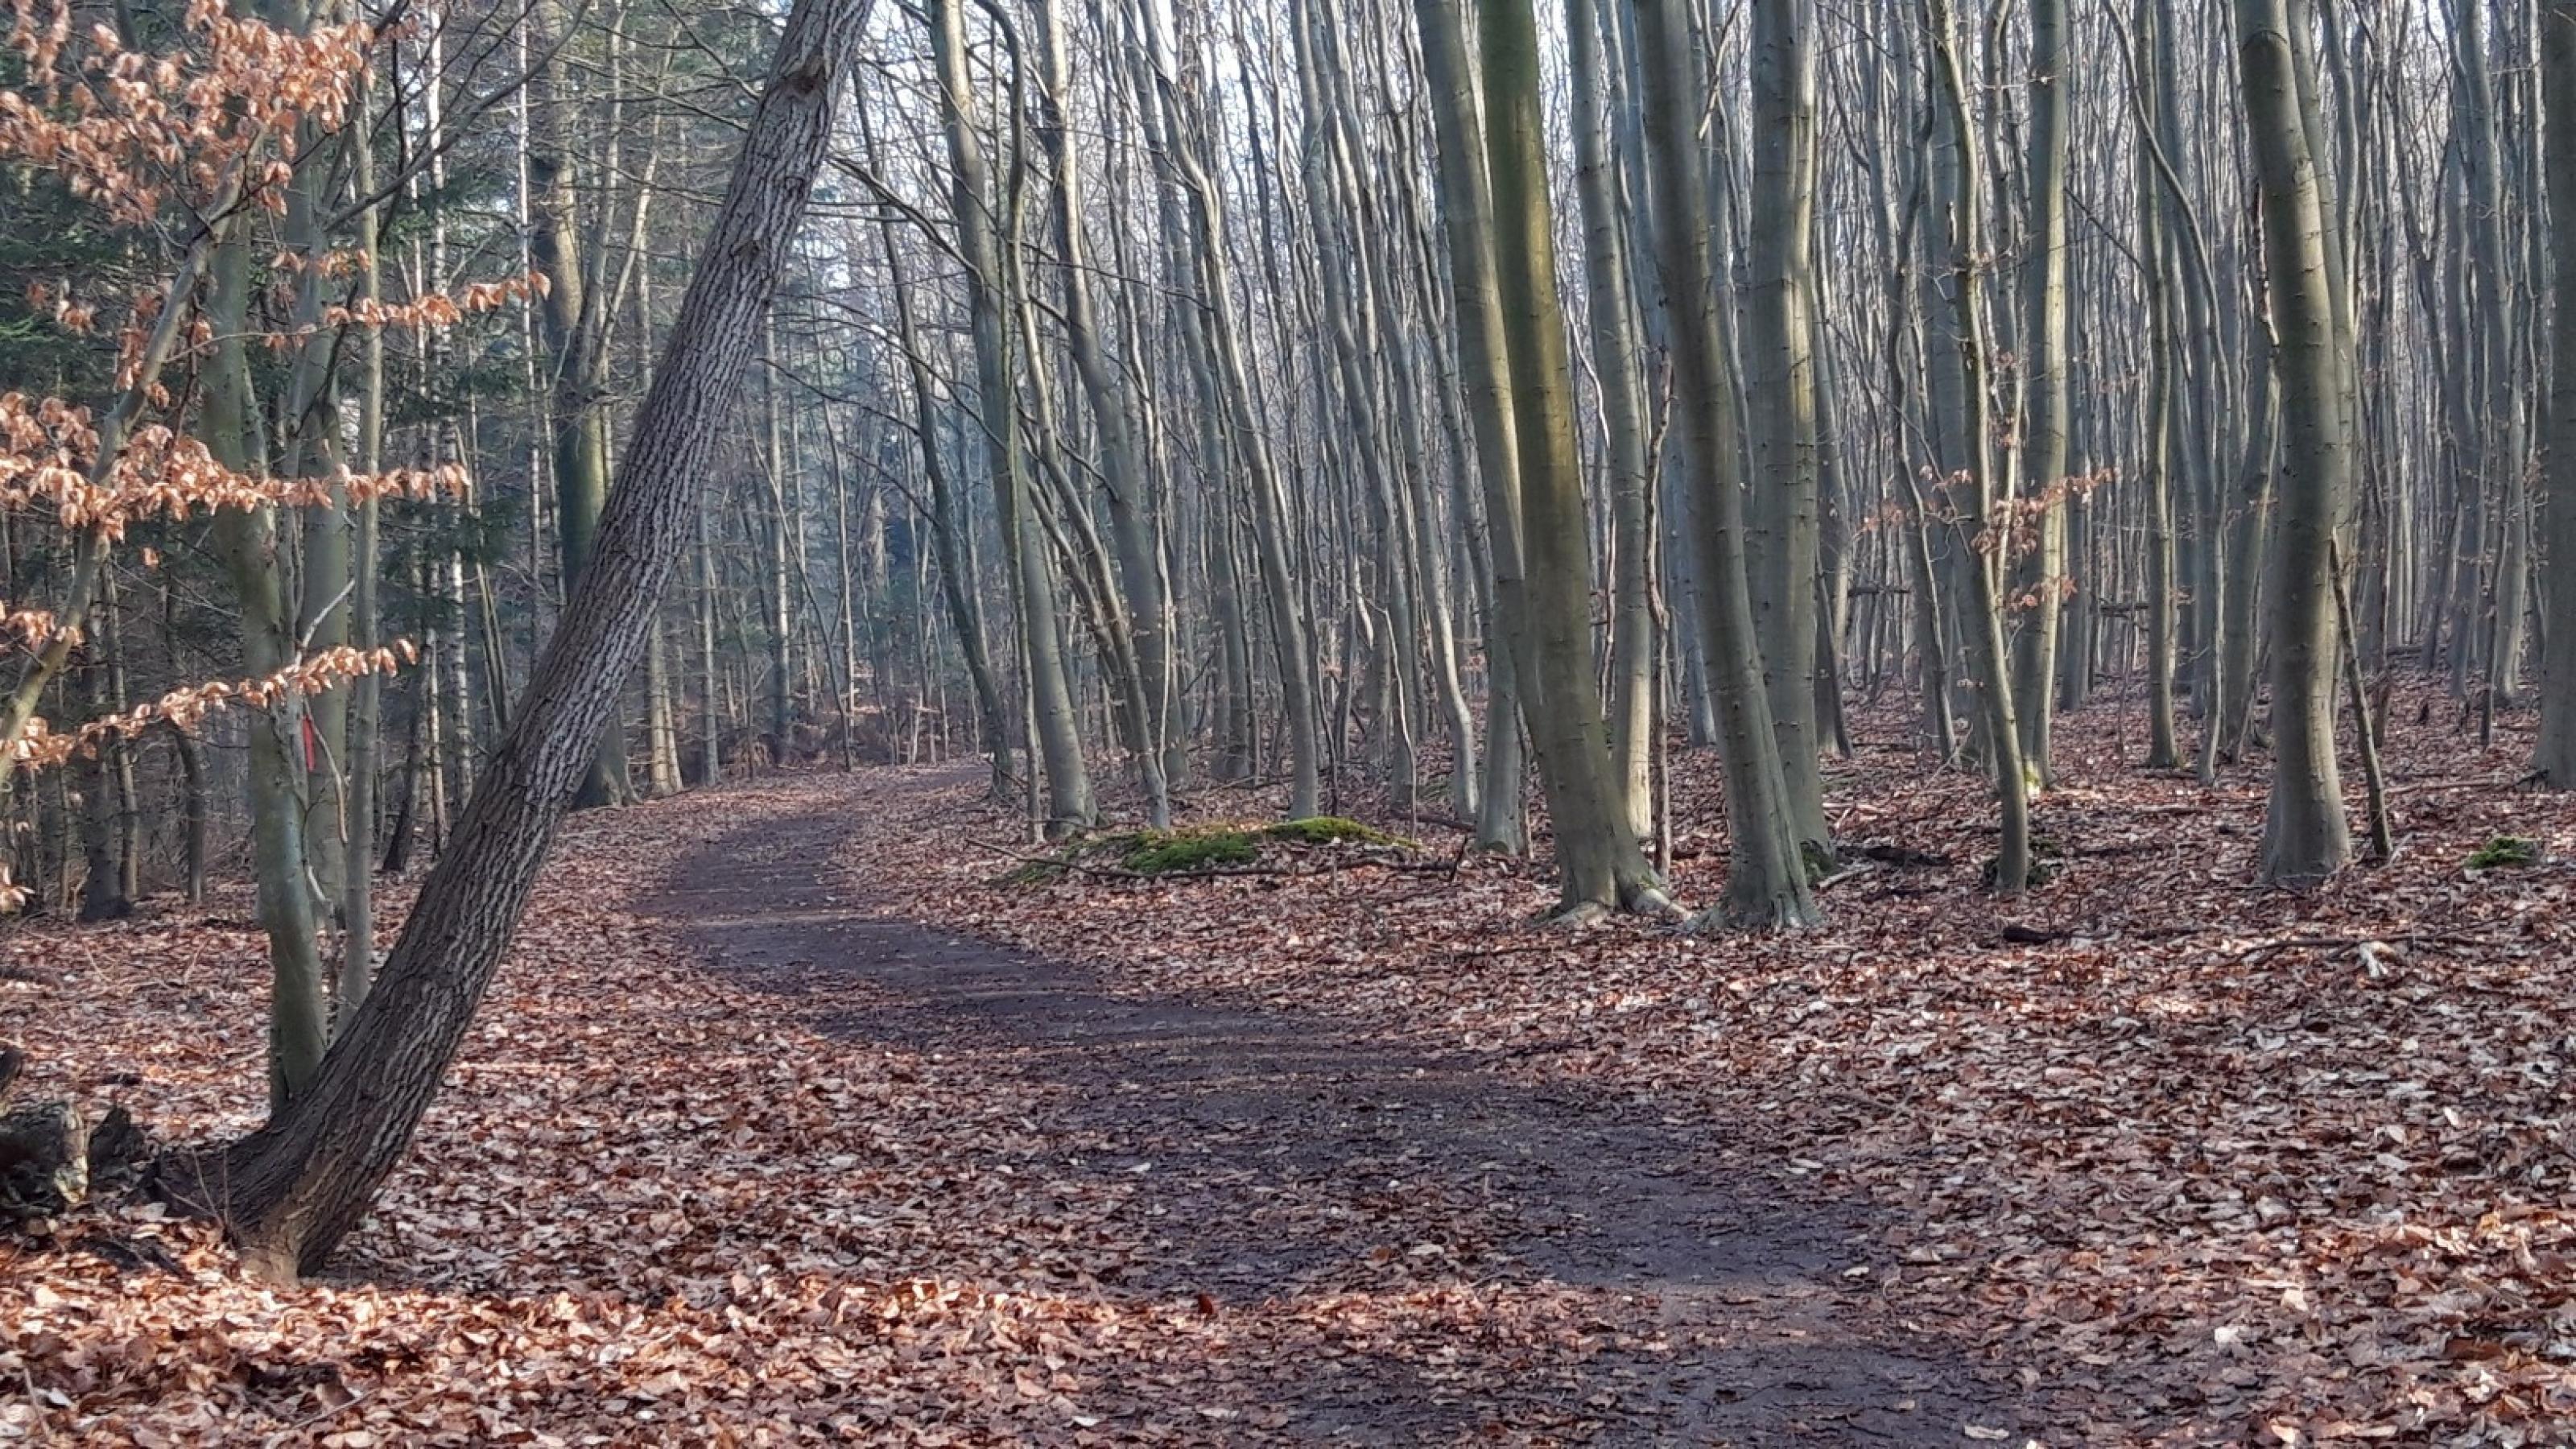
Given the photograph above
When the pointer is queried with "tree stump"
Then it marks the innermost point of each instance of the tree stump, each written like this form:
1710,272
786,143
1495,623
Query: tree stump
44,1160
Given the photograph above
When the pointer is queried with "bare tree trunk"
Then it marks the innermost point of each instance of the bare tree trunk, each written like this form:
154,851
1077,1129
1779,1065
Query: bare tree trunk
2554,757
1599,863
1484,365
1972,495
2305,835
248,541
2045,408
1069,805
292,1190
1611,305
1766,878
1783,540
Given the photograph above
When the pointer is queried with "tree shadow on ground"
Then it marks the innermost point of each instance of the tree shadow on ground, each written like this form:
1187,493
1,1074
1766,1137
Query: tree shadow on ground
1270,1158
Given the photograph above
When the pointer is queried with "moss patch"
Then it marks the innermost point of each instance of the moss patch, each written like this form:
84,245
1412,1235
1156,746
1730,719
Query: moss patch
1160,852
2506,852
1329,830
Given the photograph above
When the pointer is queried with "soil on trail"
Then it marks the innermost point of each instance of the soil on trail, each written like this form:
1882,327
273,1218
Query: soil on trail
1273,1158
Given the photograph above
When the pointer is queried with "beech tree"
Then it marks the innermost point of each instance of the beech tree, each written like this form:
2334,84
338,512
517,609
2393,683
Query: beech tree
2305,834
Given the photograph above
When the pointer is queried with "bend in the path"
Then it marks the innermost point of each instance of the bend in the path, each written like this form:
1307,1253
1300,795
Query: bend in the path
1275,1155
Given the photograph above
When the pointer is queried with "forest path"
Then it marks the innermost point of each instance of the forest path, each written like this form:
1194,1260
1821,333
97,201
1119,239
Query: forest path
1274,1160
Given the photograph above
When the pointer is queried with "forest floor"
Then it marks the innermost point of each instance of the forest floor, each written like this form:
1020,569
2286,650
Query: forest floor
789,1119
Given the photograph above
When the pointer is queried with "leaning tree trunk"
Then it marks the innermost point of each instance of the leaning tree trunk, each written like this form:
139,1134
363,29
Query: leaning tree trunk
2554,759
290,1191
577,354
2305,835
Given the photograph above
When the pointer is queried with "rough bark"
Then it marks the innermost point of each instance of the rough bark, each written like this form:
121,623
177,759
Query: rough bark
290,1191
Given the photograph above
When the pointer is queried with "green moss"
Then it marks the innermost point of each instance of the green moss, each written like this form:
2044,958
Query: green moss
2506,852
1044,871
1326,830
1161,852
1818,858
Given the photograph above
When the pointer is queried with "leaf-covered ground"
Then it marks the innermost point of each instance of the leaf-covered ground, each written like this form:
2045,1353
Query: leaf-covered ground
2154,1156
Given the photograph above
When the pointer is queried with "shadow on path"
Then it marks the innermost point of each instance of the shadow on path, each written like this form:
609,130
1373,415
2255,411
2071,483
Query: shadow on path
1278,1154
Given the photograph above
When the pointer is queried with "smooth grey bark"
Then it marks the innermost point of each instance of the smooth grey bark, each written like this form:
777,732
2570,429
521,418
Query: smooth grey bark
1050,699
2162,458
1766,880
1780,382
247,540
1229,378
2553,757
2305,835
1466,206
1972,492
2041,566
1599,863
1610,309
1124,478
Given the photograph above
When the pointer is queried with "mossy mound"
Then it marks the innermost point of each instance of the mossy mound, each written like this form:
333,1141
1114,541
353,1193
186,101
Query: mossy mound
1162,852
2506,852
1330,830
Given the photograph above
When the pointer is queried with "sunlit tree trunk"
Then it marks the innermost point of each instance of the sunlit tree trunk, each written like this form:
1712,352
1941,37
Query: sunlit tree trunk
1610,309
1484,364
1766,877
2041,563
1068,782
2305,835
1598,859
289,1192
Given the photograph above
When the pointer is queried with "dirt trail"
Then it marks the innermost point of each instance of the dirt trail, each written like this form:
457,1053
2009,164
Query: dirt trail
1282,1154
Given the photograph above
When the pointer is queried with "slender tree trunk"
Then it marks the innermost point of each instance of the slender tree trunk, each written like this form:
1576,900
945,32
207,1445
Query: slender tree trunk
2554,757
1610,307
1972,495
248,540
1484,364
1050,699
1783,538
2042,567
